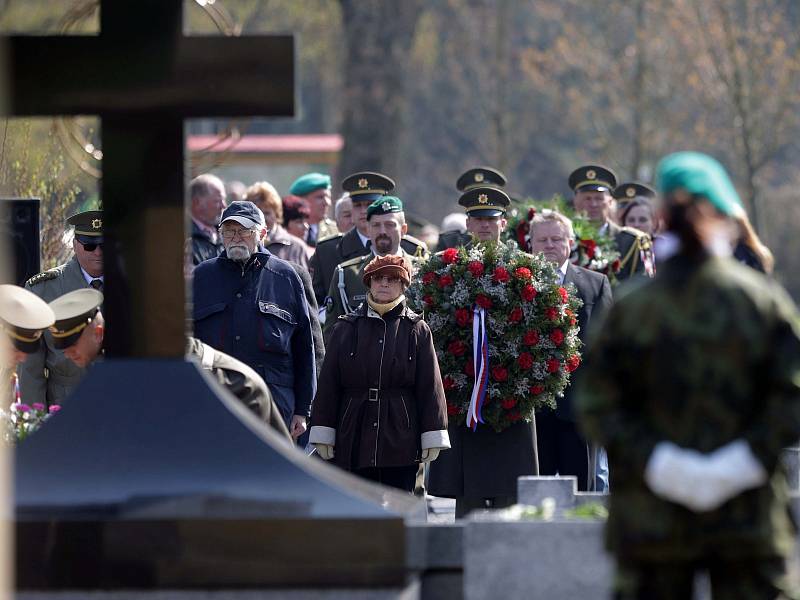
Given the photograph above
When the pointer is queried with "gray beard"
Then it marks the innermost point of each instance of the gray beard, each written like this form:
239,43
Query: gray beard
239,253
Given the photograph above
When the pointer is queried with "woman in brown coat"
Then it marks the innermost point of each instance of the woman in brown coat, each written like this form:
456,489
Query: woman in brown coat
380,406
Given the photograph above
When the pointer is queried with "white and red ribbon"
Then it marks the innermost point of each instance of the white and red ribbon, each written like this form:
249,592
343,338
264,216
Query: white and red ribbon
480,359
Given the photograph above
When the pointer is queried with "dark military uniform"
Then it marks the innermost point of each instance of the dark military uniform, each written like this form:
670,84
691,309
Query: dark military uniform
452,239
705,354
635,251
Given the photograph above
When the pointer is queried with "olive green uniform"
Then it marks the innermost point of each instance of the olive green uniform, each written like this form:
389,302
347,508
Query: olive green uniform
706,353
47,376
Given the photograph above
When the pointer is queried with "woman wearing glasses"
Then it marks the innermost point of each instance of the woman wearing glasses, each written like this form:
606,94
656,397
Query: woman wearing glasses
380,407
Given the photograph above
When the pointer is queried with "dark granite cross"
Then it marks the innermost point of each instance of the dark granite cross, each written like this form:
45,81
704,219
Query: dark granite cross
150,476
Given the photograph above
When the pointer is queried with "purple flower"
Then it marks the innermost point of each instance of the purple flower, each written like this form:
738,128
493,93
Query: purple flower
20,407
38,406
55,408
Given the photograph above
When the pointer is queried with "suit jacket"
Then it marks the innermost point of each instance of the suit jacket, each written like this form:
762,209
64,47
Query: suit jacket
47,376
594,290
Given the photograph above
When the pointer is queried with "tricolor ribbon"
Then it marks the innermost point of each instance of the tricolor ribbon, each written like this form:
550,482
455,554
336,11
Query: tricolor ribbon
480,359
17,396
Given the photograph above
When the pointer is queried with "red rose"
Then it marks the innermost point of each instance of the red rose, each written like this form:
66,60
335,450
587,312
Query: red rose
476,268
429,278
450,256
483,301
445,280
448,384
453,410
469,368
531,338
615,266
564,295
531,213
428,300
463,317
536,389
528,293
573,362
515,316
553,365
457,348
557,337
525,360
509,403
499,373
589,246
514,415
523,273
501,275
551,313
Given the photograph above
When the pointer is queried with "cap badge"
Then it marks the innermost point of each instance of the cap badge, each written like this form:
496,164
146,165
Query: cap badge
483,199
386,206
630,192
97,223
363,183
591,174
478,177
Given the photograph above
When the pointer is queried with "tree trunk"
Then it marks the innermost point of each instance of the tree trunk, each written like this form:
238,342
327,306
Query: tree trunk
378,37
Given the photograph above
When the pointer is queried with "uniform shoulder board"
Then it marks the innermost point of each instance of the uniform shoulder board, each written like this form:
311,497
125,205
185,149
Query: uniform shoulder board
329,238
634,232
353,261
415,241
43,276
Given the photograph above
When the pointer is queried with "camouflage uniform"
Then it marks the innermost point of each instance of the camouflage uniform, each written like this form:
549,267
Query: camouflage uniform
706,353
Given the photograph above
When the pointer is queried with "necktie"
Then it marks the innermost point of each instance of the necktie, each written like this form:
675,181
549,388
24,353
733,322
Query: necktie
97,284
369,245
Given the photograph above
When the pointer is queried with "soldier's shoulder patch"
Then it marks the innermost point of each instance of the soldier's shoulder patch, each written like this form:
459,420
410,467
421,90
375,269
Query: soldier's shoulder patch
328,239
410,239
637,233
354,261
43,276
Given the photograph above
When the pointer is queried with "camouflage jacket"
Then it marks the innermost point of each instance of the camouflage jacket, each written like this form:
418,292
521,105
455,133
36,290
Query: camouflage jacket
706,353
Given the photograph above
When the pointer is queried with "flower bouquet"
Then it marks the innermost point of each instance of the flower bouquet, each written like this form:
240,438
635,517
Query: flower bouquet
593,250
505,331
21,420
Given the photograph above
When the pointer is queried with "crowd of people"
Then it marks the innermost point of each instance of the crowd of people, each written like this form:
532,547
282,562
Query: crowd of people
687,393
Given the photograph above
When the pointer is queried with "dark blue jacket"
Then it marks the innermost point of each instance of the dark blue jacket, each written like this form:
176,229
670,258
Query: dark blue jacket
258,313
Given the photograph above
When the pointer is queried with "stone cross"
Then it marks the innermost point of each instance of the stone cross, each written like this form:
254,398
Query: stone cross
143,77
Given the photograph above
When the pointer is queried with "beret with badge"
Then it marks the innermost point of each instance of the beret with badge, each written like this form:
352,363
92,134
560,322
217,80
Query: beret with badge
367,186
23,317
384,205
73,312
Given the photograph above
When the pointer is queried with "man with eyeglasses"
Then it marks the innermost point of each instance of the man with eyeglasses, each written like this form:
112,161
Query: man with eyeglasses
47,376
251,305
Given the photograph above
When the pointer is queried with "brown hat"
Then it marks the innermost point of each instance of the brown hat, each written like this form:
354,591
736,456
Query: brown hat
388,265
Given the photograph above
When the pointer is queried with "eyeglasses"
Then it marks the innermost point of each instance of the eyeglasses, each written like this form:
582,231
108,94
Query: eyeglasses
91,246
229,234
387,279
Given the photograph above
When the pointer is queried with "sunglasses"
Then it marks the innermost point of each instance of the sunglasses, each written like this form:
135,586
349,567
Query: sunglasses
387,279
91,246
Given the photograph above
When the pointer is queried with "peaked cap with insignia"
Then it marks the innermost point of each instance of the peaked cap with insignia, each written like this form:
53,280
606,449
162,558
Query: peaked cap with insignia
485,202
626,192
480,177
592,178
88,223
23,316
367,186
384,206
73,312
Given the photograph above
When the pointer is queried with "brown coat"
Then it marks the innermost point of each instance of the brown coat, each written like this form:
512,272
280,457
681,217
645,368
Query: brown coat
380,390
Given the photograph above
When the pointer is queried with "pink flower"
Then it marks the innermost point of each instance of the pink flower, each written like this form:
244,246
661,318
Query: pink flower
54,408
20,407
38,406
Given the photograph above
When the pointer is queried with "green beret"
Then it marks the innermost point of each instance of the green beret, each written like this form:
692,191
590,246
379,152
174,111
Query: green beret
310,182
384,206
698,175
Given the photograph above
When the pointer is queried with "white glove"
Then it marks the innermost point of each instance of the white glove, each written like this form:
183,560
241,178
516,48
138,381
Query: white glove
673,473
430,454
325,451
729,471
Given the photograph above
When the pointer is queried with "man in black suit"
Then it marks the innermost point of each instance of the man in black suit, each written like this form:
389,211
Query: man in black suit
562,448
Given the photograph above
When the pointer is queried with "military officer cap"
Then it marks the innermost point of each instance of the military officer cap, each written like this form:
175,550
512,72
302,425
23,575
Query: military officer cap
88,226
626,192
686,176
485,202
384,206
73,312
243,212
310,182
592,178
480,177
23,316
367,186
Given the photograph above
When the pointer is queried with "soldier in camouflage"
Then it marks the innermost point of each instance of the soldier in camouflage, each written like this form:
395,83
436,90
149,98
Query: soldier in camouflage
693,386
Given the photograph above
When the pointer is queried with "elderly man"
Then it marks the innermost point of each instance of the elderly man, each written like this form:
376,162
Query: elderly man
562,448
593,185
251,305
315,189
47,376
207,197
364,188
343,213
387,225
